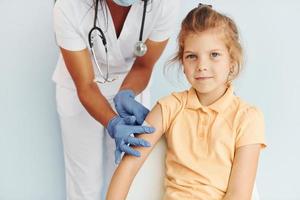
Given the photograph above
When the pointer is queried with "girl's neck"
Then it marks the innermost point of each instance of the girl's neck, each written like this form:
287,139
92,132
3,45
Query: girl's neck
207,99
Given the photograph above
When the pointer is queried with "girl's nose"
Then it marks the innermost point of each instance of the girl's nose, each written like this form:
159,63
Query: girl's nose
201,66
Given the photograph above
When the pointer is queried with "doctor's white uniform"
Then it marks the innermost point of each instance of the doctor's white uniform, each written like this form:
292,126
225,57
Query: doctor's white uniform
88,149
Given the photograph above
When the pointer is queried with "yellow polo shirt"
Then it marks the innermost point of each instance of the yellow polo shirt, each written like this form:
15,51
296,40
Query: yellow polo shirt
202,140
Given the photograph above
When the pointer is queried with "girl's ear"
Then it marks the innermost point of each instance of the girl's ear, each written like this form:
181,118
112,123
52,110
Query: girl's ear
232,72
233,67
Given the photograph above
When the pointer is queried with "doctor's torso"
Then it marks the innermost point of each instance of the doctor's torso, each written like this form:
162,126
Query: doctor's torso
73,20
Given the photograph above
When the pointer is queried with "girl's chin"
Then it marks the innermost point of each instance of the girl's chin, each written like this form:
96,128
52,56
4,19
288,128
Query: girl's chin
204,89
204,92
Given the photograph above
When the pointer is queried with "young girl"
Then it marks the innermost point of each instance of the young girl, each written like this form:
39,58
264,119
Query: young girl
213,137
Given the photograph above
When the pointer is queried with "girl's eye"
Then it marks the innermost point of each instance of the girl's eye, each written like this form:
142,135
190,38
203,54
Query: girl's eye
191,56
215,54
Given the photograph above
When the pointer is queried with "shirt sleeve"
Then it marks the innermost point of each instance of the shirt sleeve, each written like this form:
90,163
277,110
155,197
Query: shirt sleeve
251,129
65,28
167,21
170,106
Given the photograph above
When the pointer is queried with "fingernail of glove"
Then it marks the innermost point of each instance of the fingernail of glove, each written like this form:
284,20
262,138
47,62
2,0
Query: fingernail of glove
149,129
138,154
147,144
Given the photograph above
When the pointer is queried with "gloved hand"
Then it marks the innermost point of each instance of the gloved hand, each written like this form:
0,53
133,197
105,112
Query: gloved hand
119,129
126,106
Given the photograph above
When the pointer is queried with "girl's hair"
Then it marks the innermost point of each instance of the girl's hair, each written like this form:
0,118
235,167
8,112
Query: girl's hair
204,18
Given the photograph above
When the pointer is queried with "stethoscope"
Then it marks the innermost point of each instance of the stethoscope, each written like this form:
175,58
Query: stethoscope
140,47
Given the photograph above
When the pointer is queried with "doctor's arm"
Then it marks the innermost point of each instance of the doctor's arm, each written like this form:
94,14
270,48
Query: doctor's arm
140,73
80,68
136,81
243,173
129,166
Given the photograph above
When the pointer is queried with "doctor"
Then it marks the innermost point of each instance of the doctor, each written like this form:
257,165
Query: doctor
101,83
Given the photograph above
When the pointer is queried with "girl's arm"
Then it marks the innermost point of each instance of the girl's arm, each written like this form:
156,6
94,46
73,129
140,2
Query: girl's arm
243,173
129,166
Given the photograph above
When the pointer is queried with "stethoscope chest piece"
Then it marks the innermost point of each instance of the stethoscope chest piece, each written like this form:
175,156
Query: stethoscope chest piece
140,49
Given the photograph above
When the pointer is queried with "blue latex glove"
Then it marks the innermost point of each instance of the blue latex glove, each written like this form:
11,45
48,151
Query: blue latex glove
126,106
119,129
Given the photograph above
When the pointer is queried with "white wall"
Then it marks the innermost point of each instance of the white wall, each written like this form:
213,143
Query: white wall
31,163
30,146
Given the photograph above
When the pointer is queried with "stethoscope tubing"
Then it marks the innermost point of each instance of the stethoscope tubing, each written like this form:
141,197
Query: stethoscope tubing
104,41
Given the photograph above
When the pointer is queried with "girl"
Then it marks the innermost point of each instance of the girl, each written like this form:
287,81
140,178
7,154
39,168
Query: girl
213,137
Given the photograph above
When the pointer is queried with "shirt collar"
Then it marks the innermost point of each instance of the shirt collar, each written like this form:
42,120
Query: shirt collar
218,106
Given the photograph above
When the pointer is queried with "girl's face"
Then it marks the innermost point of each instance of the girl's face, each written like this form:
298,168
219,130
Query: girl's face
206,62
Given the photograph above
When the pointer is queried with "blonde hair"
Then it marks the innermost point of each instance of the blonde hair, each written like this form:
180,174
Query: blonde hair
204,18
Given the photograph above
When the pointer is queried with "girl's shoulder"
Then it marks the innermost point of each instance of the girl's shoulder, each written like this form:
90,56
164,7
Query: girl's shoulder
171,106
249,125
246,107
175,98
173,103
246,111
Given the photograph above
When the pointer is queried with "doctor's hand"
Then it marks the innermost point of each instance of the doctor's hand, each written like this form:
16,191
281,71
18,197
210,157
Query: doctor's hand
119,129
126,106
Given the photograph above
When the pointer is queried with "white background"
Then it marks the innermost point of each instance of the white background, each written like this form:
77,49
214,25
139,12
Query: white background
31,161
